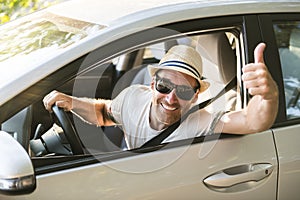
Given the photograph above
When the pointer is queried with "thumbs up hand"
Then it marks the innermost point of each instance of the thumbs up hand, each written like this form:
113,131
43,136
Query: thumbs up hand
257,78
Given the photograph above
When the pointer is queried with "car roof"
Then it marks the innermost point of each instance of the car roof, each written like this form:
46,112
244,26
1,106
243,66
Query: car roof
114,11
119,18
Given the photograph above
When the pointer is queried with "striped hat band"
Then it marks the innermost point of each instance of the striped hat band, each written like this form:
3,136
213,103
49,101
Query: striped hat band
183,65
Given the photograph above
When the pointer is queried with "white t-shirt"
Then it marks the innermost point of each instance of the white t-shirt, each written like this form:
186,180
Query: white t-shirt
131,109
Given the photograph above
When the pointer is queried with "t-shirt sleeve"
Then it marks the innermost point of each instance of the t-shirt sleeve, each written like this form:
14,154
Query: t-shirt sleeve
117,105
130,105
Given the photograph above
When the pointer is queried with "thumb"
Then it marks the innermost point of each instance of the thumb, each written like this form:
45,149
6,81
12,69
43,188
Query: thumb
259,53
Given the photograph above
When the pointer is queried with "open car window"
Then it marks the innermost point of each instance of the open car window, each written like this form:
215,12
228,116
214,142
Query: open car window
221,57
219,51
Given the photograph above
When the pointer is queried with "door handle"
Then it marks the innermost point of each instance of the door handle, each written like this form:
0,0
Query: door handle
239,174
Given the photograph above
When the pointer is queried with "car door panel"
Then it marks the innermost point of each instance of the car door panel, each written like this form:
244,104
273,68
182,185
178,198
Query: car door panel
171,173
287,143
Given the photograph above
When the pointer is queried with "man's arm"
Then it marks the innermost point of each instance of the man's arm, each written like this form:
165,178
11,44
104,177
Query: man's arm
261,110
90,110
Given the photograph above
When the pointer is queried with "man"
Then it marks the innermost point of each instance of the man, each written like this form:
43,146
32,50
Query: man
144,112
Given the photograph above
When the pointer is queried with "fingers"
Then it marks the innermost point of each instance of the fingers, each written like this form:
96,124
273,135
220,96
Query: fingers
255,72
256,80
256,76
61,100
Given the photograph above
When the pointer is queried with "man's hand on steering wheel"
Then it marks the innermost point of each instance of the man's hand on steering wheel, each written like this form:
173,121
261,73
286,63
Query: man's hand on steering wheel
69,130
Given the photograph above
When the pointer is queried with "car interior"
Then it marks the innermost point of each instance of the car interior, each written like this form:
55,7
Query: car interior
221,63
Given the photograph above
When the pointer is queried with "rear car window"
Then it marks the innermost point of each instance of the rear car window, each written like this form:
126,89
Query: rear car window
288,41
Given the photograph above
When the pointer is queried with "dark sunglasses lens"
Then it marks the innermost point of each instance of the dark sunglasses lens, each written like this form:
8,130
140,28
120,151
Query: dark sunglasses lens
185,93
162,87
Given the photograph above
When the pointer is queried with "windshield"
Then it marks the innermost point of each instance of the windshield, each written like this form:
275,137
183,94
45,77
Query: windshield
28,42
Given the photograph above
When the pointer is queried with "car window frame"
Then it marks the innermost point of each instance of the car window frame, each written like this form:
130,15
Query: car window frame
272,58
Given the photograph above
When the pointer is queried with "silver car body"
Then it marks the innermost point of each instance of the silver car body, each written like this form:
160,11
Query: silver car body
261,166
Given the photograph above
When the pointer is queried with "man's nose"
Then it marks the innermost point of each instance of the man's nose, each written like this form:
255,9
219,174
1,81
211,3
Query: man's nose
171,97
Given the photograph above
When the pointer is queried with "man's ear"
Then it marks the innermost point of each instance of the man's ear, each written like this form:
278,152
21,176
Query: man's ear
195,98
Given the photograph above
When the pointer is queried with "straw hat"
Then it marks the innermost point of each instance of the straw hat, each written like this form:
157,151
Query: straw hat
184,59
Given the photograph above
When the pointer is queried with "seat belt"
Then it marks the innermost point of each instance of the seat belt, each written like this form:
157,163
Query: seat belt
168,131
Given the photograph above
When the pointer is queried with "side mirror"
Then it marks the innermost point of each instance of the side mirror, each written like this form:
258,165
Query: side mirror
16,169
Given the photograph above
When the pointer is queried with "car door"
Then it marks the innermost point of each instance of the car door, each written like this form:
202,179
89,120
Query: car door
218,166
284,32
245,170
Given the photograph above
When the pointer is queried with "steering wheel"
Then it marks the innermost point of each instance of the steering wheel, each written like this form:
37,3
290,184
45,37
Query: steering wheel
69,130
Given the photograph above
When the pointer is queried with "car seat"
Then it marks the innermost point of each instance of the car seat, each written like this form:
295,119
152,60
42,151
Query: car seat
219,68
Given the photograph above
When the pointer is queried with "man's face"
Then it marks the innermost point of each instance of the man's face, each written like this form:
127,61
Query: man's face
168,107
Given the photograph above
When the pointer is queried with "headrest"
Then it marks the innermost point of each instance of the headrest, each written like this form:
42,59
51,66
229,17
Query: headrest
216,49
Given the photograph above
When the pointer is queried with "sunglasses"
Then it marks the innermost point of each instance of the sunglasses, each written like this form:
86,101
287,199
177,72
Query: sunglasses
183,92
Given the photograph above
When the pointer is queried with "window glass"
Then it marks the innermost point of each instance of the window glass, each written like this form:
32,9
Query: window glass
41,36
288,41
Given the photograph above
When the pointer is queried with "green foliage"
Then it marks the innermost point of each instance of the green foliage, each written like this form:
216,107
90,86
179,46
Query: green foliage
11,9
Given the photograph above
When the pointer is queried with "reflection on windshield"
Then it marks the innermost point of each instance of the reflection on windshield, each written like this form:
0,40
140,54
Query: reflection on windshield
45,31
30,37
292,97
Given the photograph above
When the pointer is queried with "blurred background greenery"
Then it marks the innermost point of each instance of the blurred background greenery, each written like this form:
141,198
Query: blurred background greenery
12,9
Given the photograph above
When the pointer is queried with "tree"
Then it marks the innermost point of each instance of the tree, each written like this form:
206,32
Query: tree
11,9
